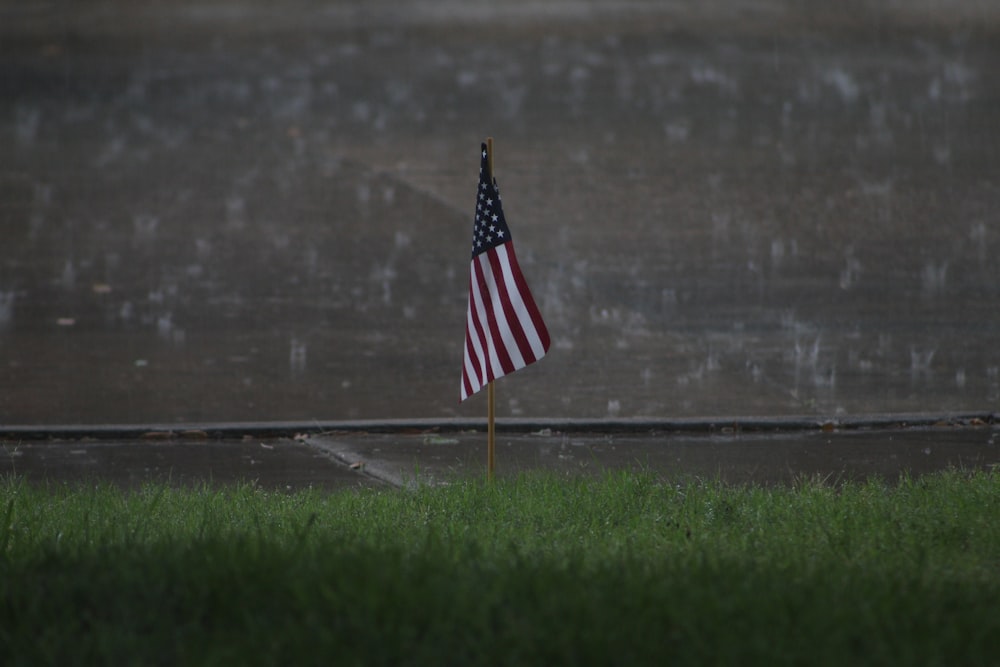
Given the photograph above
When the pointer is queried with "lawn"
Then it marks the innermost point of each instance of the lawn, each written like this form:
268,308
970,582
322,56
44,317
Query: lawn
625,569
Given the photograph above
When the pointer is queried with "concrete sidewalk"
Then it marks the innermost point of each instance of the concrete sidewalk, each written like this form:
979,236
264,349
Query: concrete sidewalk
349,458
404,460
273,464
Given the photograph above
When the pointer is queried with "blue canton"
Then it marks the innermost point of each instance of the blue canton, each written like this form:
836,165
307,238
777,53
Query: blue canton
490,228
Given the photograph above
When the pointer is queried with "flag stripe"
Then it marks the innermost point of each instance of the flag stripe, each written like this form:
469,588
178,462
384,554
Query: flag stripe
473,369
509,334
528,318
481,360
489,363
499,358
513,308
505,329
538,324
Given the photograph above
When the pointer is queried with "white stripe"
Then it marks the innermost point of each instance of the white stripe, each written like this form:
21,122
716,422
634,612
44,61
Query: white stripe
506,334
475,376
469,374
517,301
484,354
491,356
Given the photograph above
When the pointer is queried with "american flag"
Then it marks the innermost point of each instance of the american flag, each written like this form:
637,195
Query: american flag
504,330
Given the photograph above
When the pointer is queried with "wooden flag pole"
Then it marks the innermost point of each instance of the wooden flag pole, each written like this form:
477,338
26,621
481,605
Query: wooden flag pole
491,443
490,394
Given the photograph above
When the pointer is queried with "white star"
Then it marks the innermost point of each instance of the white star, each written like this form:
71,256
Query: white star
489,202
495,217
500,233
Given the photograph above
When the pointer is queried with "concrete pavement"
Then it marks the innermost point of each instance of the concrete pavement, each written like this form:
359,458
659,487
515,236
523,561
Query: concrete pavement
240,210
730,457
393,455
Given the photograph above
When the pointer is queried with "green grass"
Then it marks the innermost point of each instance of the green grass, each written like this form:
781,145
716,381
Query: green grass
537,570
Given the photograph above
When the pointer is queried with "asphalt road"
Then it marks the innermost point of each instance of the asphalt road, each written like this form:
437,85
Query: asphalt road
246,211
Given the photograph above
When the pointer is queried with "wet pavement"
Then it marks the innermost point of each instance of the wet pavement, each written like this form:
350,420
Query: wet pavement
389,456
273,464
730,458
242,211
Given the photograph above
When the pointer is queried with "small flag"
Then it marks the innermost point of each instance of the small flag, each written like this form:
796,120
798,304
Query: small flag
504,330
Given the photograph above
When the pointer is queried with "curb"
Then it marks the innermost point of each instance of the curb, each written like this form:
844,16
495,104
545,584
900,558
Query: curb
635,426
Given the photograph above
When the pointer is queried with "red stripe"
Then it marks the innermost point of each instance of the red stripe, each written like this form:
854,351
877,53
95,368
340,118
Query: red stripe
512,320
481,336
472,360
479,362
467,385
470,352
496,342
520,325
529,301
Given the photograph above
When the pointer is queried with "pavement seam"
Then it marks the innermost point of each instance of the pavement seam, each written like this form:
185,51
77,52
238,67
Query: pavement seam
343,453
